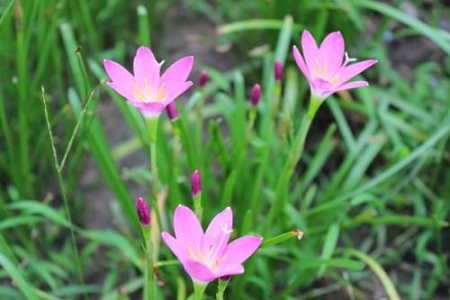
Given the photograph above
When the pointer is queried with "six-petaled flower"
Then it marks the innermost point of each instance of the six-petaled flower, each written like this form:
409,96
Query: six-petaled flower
325,68
207,255
147,90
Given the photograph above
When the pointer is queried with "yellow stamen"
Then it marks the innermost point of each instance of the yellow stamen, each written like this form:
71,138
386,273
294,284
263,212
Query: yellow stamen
335,79
325,72
191,252
160,95
319,68
146,94
218,262
200,256
138,93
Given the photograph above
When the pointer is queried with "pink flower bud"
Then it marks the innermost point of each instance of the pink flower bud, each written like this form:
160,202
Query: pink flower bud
256,94
278,70
172,111
203,79
143,211
196,183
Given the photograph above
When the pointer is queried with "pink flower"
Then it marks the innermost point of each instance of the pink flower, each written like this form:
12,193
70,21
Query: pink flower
207,256
325,68
147,90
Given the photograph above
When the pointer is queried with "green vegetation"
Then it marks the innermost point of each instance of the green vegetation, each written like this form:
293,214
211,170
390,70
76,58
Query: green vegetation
371,192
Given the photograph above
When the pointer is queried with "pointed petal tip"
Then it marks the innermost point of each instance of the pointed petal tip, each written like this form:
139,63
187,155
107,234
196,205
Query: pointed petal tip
143,48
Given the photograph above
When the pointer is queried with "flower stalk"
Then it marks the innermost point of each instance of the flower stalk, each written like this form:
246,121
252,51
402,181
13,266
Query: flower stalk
152,126
196,192
296,151
145,219
221,287
199,290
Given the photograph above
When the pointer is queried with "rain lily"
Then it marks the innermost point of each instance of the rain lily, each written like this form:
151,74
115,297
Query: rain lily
147,90
327,67
206,256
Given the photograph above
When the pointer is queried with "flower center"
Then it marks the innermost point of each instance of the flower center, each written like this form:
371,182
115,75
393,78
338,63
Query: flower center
320,71
145,94
213,256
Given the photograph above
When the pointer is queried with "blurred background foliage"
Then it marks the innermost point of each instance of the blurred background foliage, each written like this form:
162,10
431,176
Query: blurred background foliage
373,187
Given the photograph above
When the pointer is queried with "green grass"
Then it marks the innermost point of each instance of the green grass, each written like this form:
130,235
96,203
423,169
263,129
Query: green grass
370,192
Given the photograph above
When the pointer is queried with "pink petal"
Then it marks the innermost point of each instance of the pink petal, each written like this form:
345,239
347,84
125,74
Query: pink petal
198,271
241,249
123,90
178,72
187,227
351,85
332,52
146,69
309,49
121,80
180,252
218,232
227,270
173,93
301,63
353,70
150,109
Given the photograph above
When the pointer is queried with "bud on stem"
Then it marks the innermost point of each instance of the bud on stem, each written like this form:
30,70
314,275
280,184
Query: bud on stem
143,211
255,95
172,111
203,79
278,71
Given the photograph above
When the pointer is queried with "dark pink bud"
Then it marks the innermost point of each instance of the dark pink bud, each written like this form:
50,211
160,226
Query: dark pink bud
203,79
143,211
256,94
196,183
225,278
172,111
278,70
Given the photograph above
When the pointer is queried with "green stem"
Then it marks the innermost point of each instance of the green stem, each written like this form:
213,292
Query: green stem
149,287
152,125
251,123
198,206
186,140
63,192
221,287
198,135
282,187
276,101
199,290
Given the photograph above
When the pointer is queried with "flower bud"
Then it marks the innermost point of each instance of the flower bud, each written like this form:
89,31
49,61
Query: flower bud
256,94
278,70
143,211
203,79
196,183
172,111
